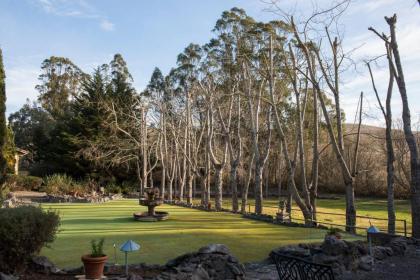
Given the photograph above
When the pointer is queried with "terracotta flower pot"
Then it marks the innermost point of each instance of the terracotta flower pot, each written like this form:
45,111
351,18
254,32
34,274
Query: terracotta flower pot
94,266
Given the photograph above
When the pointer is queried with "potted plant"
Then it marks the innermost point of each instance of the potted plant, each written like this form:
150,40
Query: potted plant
334,232
95,261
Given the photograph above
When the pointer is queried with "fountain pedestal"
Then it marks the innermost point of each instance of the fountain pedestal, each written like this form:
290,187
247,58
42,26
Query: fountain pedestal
151,200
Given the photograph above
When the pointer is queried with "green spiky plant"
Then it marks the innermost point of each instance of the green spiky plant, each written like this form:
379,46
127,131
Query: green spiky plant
97,248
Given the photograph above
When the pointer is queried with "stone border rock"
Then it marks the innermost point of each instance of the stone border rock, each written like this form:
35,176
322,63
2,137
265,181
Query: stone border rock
213,261
13,201
345,256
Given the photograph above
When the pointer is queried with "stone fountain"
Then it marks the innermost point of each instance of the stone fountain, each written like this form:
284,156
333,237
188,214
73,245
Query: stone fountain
151,199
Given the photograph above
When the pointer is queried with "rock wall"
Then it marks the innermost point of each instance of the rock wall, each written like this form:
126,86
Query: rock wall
345,256
14,200
216,262
210,262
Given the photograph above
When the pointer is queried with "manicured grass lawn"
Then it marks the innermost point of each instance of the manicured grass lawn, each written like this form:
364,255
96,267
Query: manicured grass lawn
185,231
370,207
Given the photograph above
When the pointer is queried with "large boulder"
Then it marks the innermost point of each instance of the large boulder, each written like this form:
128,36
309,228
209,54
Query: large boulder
398,245
13,201
115,196
294,251
200,274
43,265
382,252
8,203
210,262
214,249
333,246
366,263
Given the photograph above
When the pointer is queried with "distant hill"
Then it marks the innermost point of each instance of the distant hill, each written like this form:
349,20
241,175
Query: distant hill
365,129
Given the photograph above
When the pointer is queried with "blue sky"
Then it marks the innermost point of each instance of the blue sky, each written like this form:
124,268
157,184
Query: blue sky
150,33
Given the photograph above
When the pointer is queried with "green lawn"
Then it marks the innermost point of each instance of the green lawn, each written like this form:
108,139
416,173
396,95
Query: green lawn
185,231
370,207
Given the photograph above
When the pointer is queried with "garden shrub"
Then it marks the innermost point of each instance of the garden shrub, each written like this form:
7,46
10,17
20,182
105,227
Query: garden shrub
4,190
23,233
23,182
113,188
61,184
128,187
90,185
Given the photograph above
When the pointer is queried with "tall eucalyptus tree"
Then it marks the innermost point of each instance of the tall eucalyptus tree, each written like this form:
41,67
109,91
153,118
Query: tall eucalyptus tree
3,128
186,74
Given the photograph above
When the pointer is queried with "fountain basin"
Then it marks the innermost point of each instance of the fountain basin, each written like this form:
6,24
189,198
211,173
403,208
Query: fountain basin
145,217
147,202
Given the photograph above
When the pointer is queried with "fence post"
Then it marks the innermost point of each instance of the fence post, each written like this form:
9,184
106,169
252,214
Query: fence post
290,214
405,228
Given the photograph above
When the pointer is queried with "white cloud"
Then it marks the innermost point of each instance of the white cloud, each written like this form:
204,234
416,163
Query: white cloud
358,18
20,85
107,25
76,9
366,6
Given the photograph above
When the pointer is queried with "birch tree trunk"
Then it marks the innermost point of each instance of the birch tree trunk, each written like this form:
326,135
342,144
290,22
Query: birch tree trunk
258,188
246,186
289,165
234,152
337,145
234,185
183,178
217,165
163,156
190,180
218,174
144,150
279,174
299,128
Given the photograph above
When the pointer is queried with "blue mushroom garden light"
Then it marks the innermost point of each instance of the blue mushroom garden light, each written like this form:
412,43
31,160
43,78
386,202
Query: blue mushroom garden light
129,246
371,230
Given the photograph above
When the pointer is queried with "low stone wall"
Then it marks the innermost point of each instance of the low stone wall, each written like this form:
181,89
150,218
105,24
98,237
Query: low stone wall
216,262
81,199
210,262
13,201
345,256
195,206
